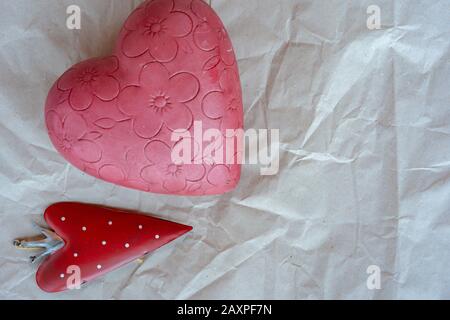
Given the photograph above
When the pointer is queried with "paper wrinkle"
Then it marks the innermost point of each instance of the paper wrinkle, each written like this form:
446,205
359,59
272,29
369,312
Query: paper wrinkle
364,173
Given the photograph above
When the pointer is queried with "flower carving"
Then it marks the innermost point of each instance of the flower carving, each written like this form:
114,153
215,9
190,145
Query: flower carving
210,34
112,173
155,28
225,105
89,79
174,177
222,175
70,135
159,100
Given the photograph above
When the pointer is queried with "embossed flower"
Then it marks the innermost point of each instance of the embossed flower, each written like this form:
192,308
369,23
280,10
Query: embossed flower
210,34
225,105
224,176
174,178
71,136
155,27
159,100
89,79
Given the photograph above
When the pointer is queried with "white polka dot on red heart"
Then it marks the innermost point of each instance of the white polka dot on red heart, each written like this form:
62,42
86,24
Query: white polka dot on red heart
63,219
99,266
157,236
84,228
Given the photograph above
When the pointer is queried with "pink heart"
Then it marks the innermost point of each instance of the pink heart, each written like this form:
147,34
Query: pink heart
173,66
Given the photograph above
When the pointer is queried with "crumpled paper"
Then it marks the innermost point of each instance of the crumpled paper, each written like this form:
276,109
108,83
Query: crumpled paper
364,161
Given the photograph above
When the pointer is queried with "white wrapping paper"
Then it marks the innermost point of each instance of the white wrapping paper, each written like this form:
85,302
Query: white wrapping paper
364,119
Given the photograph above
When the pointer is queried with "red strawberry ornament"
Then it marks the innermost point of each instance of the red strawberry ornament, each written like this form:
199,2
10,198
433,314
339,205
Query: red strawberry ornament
95,240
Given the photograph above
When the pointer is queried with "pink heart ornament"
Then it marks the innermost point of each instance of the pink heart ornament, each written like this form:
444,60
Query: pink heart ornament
114,117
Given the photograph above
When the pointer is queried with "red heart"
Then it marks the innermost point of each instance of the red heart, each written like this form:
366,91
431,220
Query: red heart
98,240
113,117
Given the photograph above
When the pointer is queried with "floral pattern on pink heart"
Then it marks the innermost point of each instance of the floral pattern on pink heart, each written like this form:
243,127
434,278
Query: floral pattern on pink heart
211,35
114,117
159,100
90,79
174,177
155,27
71,136
224,104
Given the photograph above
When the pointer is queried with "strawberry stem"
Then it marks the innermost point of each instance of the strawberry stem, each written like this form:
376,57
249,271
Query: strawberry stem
49,244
